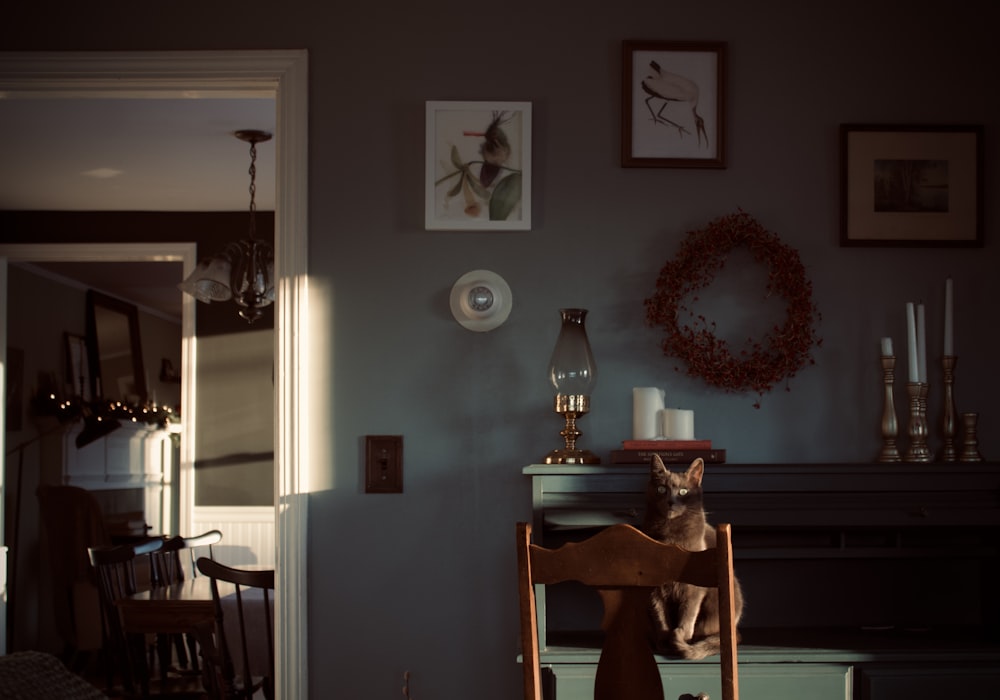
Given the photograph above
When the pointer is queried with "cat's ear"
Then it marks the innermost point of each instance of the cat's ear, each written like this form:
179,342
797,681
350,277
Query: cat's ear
656,466
696,471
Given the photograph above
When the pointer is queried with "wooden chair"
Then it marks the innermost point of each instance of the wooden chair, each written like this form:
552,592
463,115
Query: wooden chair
167,569
228,681
194,544
116,579
624,565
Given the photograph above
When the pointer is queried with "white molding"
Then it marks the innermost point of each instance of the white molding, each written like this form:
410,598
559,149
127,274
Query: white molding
284,74
3,451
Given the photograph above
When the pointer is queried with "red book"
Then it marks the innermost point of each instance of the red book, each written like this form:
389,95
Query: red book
666,444
714,456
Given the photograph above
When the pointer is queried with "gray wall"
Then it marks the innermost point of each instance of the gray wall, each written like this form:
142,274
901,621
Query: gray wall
394,581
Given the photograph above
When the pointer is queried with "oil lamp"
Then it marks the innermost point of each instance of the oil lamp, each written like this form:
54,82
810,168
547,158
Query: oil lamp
573,373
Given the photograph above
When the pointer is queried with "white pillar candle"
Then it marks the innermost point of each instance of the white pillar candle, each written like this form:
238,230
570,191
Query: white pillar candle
911,344
886,347
921,345
949,321
678,424
647,402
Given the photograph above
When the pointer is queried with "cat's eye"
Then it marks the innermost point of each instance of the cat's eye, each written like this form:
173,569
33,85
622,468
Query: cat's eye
661,489
683,492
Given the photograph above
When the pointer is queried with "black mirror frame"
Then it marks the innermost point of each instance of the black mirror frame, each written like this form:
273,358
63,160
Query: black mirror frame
131,313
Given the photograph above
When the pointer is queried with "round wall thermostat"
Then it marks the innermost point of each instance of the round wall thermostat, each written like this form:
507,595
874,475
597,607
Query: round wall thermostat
481,300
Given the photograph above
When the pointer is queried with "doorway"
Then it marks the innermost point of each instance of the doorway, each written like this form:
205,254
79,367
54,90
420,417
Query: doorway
284,75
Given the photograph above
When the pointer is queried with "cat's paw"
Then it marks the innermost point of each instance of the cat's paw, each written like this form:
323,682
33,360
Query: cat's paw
678,638
669,644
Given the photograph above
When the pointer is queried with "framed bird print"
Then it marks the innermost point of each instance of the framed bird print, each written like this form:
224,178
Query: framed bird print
672,104
478,166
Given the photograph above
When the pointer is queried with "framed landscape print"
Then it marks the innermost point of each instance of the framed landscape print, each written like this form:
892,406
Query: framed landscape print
478,166
911,185
672,104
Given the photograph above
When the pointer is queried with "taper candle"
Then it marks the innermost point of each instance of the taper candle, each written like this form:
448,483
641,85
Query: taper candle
911,344
921,345
886,347
949,320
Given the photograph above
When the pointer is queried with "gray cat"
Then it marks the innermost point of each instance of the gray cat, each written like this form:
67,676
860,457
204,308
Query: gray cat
686,619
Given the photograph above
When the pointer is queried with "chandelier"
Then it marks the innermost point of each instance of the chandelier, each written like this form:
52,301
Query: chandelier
244,271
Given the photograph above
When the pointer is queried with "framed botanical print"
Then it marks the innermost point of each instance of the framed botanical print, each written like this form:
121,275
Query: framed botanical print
478,166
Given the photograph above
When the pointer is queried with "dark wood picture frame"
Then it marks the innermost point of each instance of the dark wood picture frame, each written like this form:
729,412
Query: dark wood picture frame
673,104
911,185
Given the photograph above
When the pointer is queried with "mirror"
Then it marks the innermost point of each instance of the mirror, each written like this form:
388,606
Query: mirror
116,369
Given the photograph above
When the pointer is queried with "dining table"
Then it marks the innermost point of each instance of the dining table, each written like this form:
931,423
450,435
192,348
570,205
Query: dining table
187,608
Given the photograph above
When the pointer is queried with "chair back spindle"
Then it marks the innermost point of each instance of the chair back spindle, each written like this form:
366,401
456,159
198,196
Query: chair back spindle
115,567
235,641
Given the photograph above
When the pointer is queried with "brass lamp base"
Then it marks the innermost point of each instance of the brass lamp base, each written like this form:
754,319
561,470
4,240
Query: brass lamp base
572,406
571,457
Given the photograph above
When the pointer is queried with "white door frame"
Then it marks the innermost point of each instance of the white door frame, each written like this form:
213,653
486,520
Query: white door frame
283,75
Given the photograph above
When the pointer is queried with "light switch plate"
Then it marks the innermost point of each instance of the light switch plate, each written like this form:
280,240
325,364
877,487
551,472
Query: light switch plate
383,464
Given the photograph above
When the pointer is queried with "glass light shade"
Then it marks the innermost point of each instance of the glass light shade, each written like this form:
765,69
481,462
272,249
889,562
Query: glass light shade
572,369
252,279
210,281
270,276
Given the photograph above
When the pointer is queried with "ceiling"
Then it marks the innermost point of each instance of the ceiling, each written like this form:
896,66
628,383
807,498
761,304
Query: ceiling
129,154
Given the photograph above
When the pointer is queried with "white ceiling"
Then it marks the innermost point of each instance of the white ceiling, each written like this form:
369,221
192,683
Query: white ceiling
128,154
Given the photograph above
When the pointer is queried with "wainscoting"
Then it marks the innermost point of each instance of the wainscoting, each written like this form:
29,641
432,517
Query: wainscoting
247,533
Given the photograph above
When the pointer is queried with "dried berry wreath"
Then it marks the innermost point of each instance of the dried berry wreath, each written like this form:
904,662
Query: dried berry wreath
761,363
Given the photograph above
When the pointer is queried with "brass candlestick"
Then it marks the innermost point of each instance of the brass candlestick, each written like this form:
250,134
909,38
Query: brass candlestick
970,441
572,406
890,428
948,451
918,451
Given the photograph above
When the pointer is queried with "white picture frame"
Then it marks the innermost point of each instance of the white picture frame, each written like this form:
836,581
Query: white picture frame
478,166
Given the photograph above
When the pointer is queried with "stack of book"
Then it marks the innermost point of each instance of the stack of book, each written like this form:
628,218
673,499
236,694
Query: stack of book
670,451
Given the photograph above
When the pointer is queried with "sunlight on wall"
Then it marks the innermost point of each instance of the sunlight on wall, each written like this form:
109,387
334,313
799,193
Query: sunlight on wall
235,408
316,472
